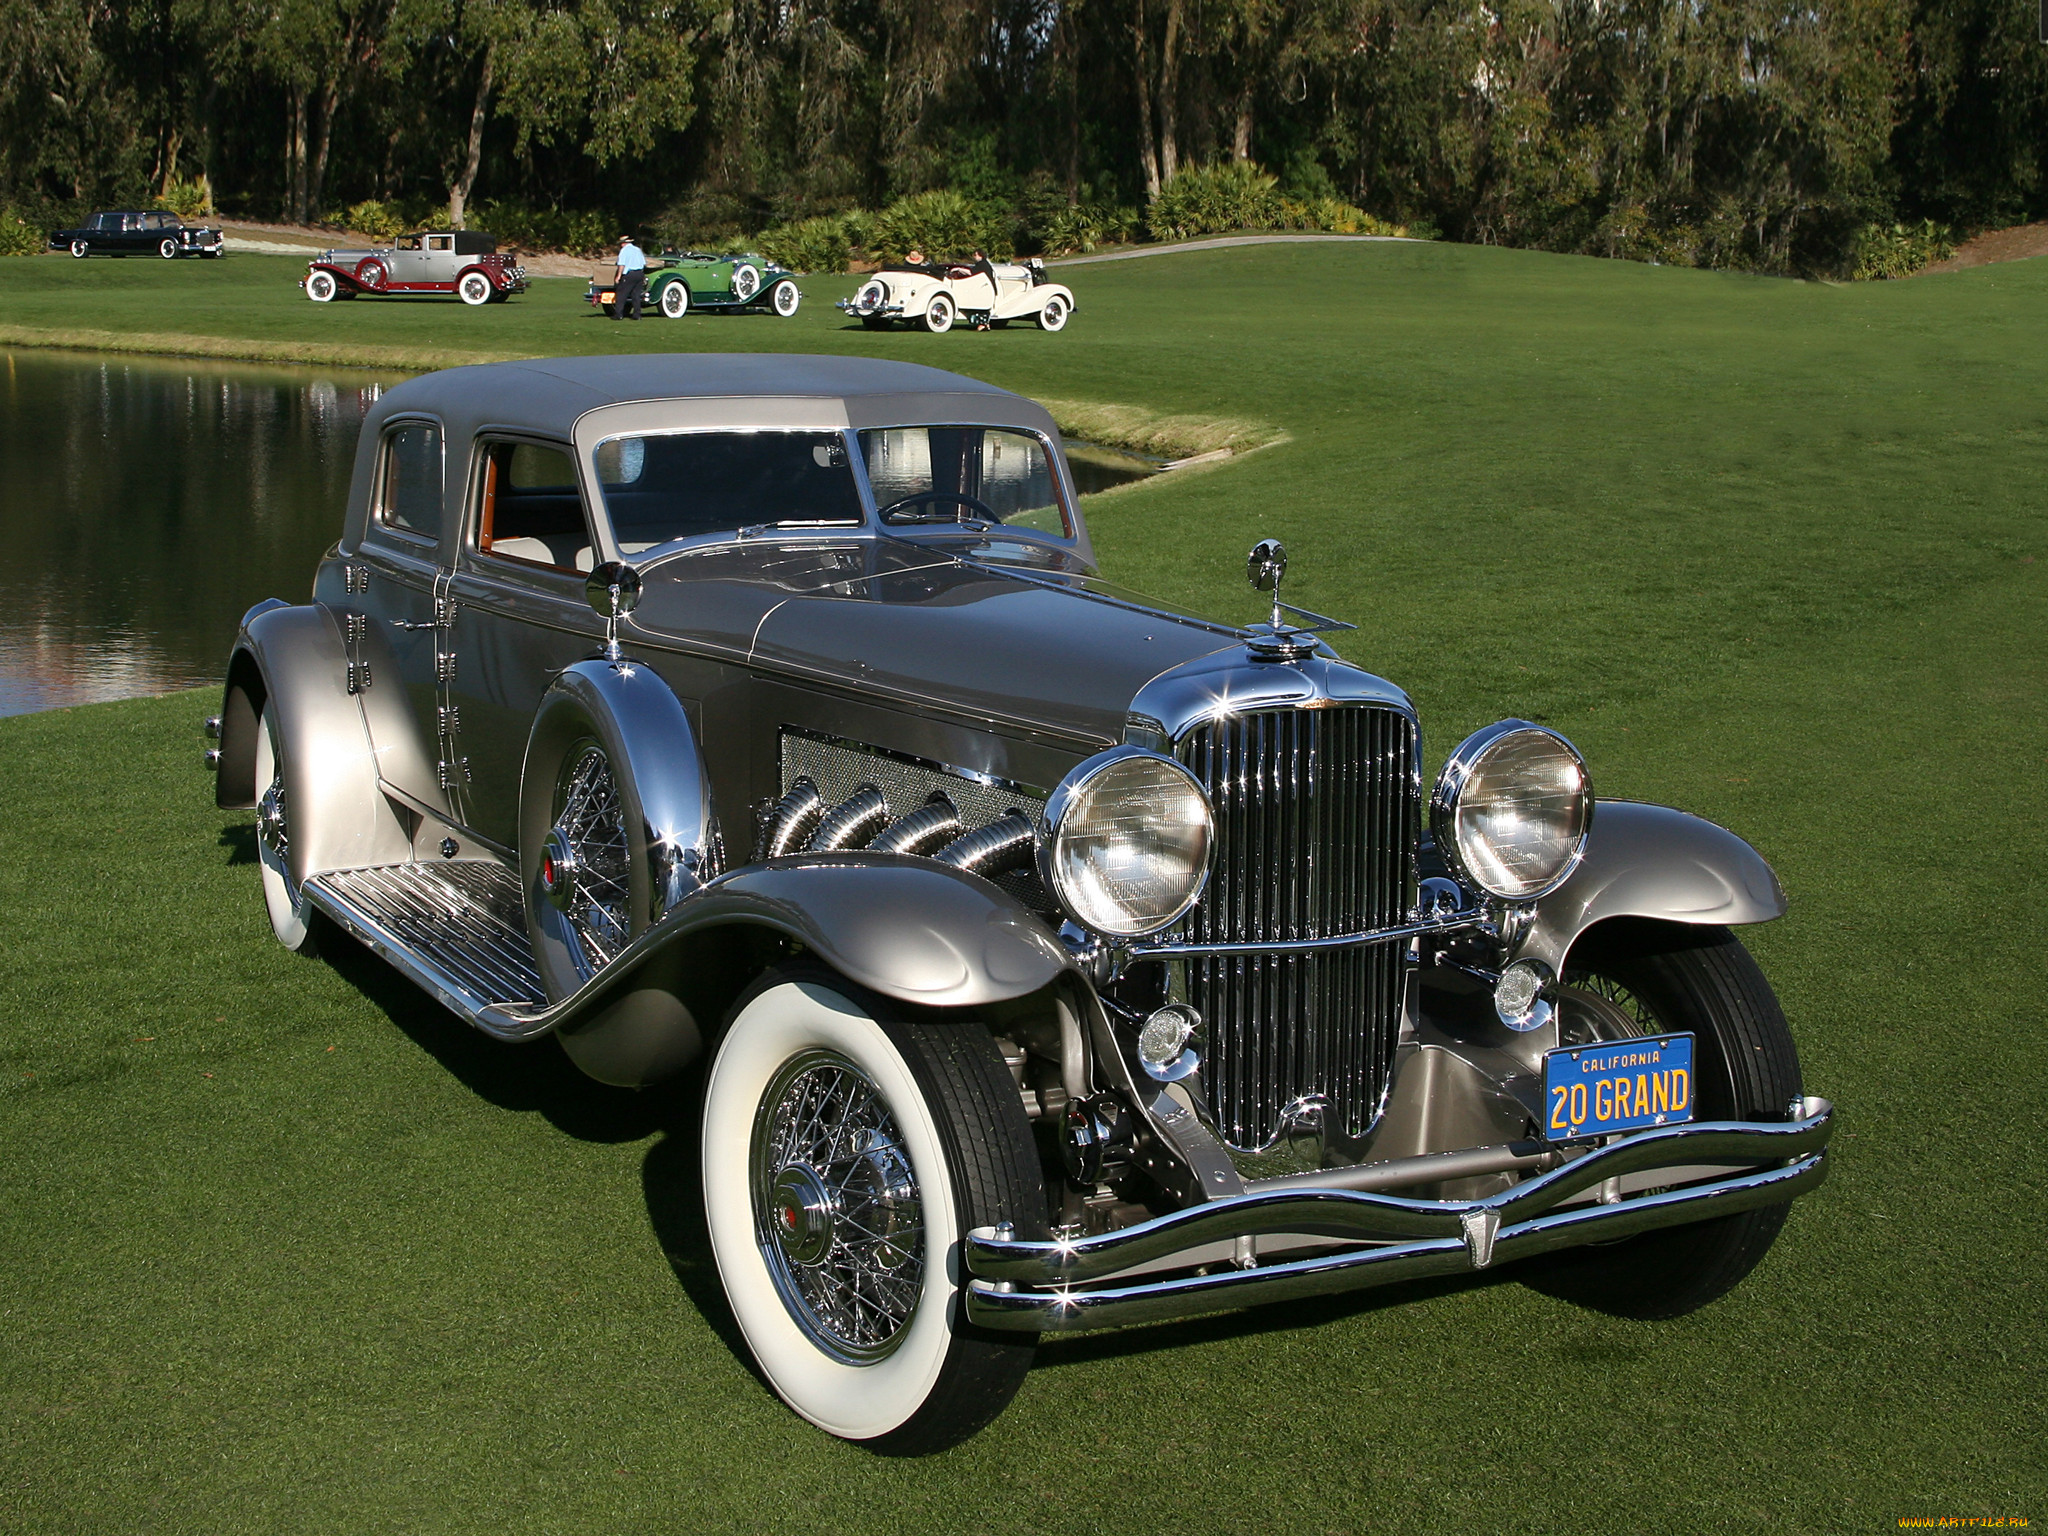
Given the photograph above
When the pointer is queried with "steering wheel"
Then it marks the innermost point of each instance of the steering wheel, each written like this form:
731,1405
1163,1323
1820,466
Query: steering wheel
980,508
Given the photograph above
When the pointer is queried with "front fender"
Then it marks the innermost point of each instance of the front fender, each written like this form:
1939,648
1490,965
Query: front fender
1652,861
915,931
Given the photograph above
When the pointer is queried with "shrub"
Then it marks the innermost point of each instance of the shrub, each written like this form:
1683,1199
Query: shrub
19,237
1208,200
519,226
809,245
943,224
1065,231
1900,250
380,221
1330,215
188,199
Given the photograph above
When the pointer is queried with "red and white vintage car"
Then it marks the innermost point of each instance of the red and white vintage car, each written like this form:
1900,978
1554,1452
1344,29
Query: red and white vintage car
466,263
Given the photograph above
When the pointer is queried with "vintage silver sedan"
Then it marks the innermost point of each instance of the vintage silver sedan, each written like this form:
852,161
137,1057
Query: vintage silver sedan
1050,958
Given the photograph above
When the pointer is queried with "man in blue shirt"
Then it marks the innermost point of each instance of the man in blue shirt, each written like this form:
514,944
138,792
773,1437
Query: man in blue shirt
629,283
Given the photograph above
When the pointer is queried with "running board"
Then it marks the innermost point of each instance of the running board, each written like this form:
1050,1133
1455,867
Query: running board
458,929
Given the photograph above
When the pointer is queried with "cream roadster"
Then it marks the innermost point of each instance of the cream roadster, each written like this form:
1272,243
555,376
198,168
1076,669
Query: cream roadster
986,295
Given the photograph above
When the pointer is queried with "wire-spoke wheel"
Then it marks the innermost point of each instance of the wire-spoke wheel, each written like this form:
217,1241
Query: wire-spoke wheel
1656,979
784,298
674,302
290,919
845,1154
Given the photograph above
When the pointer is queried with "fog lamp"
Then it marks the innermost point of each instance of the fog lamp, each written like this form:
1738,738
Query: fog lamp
1169,1044
1518,997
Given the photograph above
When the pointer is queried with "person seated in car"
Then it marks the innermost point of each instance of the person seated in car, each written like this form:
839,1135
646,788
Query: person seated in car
913,261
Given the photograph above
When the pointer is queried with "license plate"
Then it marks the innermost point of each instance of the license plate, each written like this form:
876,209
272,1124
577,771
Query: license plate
606,297
1623,1085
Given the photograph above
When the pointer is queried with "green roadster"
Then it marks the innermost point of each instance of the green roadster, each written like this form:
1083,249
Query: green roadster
680,281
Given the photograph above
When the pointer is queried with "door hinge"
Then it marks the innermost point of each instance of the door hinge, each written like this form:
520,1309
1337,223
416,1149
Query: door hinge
355,578
453,773
444,666
450,718
358,676
354,627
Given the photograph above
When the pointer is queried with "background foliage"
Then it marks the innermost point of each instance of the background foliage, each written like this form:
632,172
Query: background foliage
1747,134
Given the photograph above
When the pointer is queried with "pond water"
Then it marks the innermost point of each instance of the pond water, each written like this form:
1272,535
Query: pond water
146,503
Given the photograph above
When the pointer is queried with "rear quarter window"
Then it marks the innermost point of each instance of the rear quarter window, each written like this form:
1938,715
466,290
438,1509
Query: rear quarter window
409,486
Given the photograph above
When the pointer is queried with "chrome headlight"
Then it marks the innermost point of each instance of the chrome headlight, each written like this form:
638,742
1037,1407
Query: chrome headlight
1124,847
1511,810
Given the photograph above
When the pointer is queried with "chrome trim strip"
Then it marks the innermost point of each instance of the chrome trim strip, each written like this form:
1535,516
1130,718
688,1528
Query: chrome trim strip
1366,1216
1469,918
1478,1244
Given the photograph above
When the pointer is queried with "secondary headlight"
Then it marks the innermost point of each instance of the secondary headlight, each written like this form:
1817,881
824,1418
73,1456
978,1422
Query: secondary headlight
1512,809
1125,843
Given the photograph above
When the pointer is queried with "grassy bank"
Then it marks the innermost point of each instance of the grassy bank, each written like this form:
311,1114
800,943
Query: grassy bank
287,1249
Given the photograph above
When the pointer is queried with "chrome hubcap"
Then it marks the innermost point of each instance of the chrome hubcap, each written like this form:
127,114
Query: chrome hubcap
270,828
587,851
837,1210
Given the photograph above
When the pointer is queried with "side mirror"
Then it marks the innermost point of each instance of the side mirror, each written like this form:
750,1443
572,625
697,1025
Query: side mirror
613,589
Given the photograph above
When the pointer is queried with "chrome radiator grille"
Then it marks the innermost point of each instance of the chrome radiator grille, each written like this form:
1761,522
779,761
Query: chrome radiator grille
1316,824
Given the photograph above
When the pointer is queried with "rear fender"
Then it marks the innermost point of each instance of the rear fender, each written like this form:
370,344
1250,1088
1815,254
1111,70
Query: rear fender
1655,862
292,659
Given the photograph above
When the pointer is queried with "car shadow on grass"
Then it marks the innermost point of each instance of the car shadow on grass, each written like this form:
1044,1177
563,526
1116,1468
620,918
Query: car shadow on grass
239,839
674,1193
530,1078
1294,1317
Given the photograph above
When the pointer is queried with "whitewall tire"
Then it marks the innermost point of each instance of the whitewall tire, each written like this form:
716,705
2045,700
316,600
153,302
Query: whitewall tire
475,289
320,287
783,298
675,301
938,315
290,919
1053,315
845,1153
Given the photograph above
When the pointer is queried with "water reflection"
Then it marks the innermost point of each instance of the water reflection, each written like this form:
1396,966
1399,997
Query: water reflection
146,503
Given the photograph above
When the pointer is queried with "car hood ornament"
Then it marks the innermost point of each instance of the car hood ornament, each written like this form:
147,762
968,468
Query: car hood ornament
1278,639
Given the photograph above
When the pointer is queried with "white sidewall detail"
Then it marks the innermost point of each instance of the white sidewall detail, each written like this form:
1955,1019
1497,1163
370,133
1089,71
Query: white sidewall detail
320,287
855,1402
1053,315
475,288
675,300
938,315
785,299
287,918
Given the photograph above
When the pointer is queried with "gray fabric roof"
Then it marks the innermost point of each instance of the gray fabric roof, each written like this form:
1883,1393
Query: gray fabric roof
548,394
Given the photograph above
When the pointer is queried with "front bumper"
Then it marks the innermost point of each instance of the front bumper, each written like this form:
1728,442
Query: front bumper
1108,1281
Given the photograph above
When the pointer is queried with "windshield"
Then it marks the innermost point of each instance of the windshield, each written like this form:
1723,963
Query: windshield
964,474
663,487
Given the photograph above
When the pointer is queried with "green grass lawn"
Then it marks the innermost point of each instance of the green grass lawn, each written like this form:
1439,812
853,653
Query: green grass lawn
283,1247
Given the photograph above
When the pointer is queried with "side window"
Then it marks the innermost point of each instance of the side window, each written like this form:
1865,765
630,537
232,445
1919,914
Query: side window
440,242
528,509
409,490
